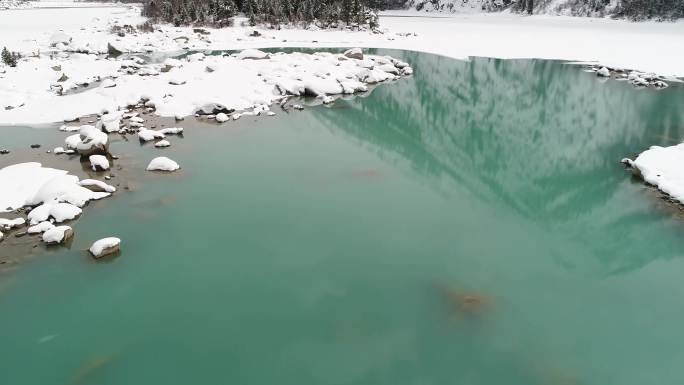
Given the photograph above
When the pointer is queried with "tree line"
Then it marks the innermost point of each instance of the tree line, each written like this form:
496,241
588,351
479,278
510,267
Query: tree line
324,13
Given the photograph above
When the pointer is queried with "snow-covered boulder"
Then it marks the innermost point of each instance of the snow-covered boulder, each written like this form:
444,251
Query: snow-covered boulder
354,53
58,234
59,211
253,54
172,131
99,162
40,228
162,143
7,224
162,163
59,38
222,118
105,247
390,68
64,188
89,141
97,185
603,72
146,135
110,122
212,109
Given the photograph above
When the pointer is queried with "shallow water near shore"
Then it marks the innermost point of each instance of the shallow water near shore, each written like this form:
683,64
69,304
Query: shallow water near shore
469,224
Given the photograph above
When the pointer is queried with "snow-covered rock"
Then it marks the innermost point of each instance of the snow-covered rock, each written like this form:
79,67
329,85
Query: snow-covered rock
89,141
603,72
354,53
62,188
222,118
172,131
59,211
110,122
60,38
40,227
58,234
105,247
8,224
146,135
97,185
162,143
162,163
99,162
254,54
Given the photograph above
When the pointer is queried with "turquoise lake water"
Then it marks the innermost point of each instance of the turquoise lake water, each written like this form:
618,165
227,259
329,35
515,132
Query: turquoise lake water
471,224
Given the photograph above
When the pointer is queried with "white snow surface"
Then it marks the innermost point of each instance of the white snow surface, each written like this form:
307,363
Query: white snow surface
645,46
99,247
162,163
21,182
663,167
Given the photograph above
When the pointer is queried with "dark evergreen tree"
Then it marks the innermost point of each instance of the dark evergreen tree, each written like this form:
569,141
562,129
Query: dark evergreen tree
9,58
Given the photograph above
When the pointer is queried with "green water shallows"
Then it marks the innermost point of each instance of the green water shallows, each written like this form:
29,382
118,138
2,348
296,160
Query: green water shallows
311,248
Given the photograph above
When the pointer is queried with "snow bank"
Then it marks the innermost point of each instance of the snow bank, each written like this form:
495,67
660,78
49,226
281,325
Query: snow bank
21,182
64,188
663,167
236,83
105,246
162,163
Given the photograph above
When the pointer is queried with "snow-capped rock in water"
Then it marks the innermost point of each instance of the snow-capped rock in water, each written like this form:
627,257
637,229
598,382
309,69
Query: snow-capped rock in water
105,247
97,185
222,118
172,131
89,141
663,167
146,135
354,53
162,163
162,143
99,163
254,54
59,211
603,72
58,234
